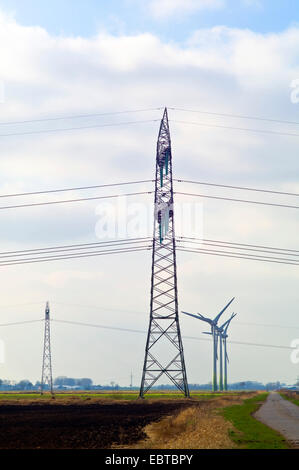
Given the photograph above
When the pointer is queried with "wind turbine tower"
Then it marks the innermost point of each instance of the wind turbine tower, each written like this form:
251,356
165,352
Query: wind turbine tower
215,333
223,337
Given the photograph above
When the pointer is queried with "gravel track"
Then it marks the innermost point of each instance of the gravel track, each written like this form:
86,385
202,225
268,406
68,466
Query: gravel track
281,415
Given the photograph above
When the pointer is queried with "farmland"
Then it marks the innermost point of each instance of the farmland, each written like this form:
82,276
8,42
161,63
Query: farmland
110,420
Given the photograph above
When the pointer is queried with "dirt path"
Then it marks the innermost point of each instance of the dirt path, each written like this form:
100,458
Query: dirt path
281,415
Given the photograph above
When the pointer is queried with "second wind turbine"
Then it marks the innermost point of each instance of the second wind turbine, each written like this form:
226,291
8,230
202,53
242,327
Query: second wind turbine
214,332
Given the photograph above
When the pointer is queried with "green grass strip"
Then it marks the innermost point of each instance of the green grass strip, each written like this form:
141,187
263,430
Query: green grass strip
105,394
252,434
291,399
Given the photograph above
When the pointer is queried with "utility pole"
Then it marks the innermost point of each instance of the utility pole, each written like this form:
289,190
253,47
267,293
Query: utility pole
164,349
47,363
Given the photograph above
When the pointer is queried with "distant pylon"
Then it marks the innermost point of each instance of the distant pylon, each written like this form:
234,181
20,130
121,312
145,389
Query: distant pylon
164,349
47,362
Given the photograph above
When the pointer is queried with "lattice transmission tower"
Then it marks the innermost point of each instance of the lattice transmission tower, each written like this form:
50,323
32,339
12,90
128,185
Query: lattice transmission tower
164,353
47,379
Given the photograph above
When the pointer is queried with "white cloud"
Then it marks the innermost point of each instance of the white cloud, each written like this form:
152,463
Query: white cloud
219,69
59,279
165,8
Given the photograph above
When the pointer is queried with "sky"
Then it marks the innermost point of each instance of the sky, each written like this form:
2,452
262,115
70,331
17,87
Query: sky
73,58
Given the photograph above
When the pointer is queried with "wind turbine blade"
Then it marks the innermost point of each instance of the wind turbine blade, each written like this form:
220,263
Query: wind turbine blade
228,322
223,310
207,333
201,317
190,315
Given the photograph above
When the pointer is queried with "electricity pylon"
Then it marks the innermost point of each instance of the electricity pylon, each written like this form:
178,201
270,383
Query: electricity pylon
215,333
164,353
47,362
223,338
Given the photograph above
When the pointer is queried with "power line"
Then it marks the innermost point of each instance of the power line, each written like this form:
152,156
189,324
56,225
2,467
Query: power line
276,346
237,187
77,128
82,246
257,257
241,244
185,337
77,116
125,245
223,253
104,308
73,256
239,116
285,206
21,305
135,312
130,330
75,188
246,129
267,325
98,326
19,206
238,247
79,188
111,113
20,323
111,246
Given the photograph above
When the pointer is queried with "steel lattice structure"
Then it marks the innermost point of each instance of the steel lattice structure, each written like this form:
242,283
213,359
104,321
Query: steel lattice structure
47,361
164,349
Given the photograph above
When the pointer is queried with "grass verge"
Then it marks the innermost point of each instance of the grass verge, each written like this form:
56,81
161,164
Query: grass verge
197,427
250,433
291,398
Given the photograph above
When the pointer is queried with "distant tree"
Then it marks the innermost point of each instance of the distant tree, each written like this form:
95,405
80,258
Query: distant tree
24,385
85,383
62,381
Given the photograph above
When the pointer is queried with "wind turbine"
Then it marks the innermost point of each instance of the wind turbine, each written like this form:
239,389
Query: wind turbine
214,333
223,338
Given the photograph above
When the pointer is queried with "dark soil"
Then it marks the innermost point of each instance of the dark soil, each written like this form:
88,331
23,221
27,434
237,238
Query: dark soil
93,426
